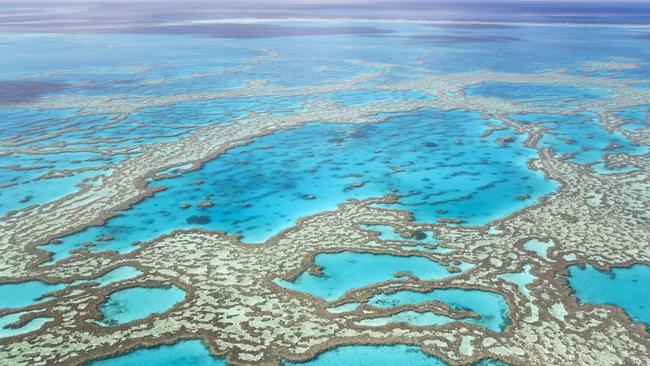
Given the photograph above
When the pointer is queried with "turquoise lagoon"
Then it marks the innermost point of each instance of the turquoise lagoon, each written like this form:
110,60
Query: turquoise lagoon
184,353
395,355
490,307
34,324
372,355
581,135
345,271
627,288
536,94
635,117
20,294
437,161
135,303
419,241
36,192
17,295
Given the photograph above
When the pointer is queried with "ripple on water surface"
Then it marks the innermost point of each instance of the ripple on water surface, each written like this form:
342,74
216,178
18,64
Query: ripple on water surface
438,162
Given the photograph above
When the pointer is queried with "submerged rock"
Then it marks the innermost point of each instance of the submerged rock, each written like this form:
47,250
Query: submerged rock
205,204
198,219
444,220
505,141
25,199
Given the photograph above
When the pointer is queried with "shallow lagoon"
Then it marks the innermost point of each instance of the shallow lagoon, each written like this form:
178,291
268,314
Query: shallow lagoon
491,307
349,270
395,355
184,353
20,294
32,325
635,117
627,288
437,161
16,295
580,134
372,355
536,94
36,192
137,303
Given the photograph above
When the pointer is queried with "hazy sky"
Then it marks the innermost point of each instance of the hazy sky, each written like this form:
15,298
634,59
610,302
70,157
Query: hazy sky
613,3
108,13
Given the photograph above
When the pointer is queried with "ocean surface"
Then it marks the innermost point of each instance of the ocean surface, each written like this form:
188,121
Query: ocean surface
143,85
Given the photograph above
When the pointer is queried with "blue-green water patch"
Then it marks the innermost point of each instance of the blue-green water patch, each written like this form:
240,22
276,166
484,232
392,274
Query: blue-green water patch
539,247
36,192
184,353
136,303
16,295
366,355
600,168
372,355
536,94
349,270
580,134
491,307
422,319
522,280
635,117
8,319
437,161
627,288
116,275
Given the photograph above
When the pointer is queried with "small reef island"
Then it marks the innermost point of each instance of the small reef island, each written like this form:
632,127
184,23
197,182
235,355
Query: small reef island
324,183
